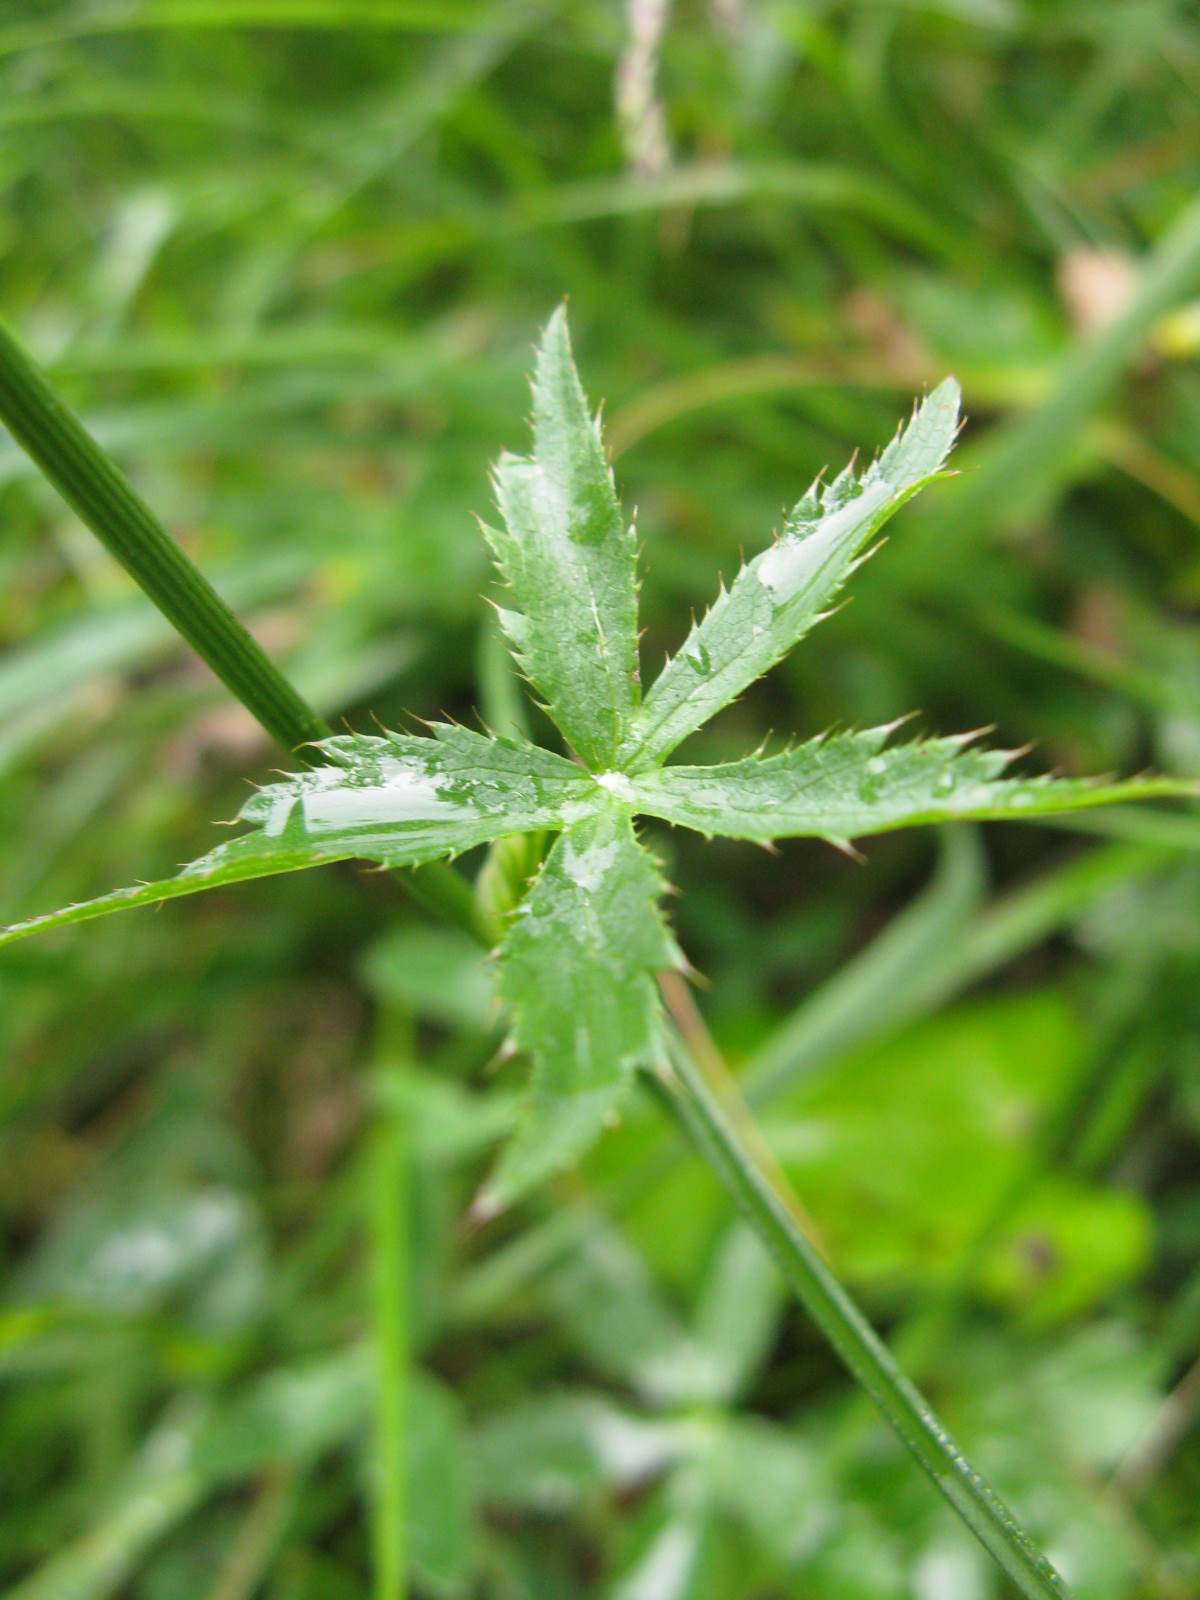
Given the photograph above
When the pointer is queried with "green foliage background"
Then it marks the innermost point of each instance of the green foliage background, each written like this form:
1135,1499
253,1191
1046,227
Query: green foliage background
289,261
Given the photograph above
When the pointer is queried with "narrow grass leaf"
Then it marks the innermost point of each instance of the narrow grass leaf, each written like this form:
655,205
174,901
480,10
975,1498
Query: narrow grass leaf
876,990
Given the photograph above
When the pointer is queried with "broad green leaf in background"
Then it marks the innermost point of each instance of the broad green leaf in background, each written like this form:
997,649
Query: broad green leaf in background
450,1123
126,1254
770,1480
614,1312
895,1197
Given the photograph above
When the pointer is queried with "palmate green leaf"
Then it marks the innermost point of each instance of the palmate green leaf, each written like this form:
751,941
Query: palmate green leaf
570,560
582,947
844,786
393,799
577,967
779,595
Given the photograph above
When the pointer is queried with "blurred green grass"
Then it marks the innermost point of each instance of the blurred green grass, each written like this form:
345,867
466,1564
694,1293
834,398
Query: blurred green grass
288,260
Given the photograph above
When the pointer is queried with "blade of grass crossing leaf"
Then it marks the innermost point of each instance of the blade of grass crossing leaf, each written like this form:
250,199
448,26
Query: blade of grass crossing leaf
290,1415
1027,452
118,516
854,1340
249,1555
737,1313
500,700
1176,829
96,1565
1027,915
396,800
107,503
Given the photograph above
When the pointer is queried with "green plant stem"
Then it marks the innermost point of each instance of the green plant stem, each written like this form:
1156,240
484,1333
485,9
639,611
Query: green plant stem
713,1131
103,498
389,1259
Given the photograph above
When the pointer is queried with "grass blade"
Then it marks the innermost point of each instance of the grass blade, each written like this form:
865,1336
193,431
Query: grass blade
109,505
123,522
